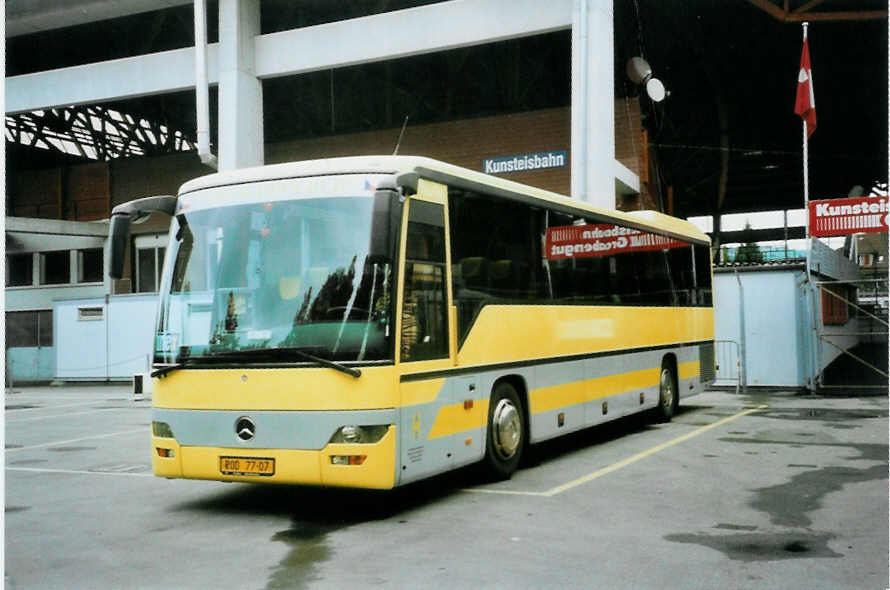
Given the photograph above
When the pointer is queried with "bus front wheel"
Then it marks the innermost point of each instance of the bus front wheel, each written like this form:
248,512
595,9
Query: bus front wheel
668,393
506,432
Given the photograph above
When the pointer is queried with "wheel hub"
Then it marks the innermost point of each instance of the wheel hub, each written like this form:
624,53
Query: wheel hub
667,389
507,427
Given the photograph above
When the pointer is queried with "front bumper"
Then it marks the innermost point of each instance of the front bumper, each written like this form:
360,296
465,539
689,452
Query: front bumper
292,466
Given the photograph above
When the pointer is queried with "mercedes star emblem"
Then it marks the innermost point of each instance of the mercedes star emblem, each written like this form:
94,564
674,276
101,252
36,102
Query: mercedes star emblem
245,429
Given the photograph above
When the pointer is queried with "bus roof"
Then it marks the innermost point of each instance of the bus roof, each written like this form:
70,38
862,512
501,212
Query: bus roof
409,168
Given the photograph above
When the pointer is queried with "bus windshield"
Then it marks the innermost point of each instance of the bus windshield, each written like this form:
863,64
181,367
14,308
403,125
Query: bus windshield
275,276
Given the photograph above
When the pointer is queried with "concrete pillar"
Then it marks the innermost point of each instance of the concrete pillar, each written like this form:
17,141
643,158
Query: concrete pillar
240,91
593,103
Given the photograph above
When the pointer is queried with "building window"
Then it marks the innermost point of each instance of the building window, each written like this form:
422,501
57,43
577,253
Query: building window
89,265
90,314
148,262
29,329
55,268
19,270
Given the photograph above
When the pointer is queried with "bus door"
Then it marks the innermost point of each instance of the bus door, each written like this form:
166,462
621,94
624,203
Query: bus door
426,343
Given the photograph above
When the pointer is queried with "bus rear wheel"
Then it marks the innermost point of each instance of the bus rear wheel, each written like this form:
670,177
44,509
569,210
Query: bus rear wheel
668,393
506,432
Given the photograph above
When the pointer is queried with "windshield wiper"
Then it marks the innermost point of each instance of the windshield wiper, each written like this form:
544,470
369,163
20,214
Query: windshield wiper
231,355
162,371
288,351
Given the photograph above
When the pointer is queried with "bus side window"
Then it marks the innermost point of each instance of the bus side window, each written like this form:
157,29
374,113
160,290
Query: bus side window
424,309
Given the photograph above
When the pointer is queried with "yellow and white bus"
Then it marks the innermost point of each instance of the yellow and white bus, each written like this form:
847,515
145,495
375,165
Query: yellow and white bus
371,321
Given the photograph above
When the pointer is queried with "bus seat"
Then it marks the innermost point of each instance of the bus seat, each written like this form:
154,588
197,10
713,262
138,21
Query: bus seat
503,277
474,270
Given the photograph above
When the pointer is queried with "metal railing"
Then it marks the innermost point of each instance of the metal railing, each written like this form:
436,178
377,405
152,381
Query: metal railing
877,326
727,355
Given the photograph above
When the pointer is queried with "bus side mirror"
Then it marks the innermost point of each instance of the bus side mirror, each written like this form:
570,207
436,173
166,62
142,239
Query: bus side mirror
385,218
118,235
121,218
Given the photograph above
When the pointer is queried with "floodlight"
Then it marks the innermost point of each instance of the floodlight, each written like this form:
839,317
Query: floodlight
640,72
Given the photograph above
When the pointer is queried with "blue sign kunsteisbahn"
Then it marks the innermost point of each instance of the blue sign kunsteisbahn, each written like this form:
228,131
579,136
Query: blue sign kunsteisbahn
524,162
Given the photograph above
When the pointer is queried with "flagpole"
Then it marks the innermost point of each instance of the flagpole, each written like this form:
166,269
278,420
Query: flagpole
806,204
806,179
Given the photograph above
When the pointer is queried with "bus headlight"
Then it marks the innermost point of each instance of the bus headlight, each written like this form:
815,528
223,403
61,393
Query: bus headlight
161,429
359,434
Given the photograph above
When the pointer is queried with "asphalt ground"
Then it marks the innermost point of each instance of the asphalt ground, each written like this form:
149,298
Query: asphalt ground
772,490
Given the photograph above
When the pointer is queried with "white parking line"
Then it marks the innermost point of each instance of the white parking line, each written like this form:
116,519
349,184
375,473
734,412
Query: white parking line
62,415
618,465
143,430
76,471
50,407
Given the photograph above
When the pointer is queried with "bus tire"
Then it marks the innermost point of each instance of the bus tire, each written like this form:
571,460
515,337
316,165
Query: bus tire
668,392
505,438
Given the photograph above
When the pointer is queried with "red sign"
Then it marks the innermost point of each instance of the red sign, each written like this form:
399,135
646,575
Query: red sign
839,217
601,239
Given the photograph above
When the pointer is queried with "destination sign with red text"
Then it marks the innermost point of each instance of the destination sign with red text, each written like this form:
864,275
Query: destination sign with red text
839,217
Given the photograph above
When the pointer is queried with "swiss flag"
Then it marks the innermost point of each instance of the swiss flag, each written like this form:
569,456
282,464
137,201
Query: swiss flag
805,102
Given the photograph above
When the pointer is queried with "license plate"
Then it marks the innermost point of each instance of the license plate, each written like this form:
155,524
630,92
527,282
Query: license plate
261,466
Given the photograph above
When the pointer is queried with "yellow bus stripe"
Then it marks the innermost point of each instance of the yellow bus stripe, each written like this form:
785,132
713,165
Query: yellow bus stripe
557,396
454,419
560,396
688,370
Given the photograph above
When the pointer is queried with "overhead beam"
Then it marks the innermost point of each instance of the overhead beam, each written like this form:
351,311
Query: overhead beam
800,15
836,16
805,6
769,8
401,33
28,16
626,182
131,77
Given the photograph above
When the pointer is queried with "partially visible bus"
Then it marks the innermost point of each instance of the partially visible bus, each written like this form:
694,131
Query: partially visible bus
371,321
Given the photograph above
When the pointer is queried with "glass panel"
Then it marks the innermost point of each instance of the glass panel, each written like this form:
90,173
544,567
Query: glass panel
284,274
426,234
19,270
424,310
592,263
159,265
21,329
495,254
55,268
424,335
45,327
656,286
604,263
703,273
90,265
145,263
